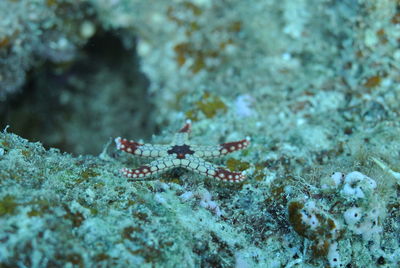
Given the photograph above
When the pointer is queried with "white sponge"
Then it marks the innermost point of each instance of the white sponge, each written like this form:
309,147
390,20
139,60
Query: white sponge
353,215
356,183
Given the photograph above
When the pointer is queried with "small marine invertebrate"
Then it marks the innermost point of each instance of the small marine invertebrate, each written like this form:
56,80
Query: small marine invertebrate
388,170
357,185
205,201
347,208
181,153
312,222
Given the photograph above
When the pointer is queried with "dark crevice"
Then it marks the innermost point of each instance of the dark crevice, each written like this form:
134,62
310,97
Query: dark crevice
77,106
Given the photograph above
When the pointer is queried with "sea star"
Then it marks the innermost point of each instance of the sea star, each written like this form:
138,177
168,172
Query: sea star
181,153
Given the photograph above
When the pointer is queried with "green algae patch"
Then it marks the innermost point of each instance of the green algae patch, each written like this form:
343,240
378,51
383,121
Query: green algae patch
76,218
236,165
86,175
39,207
7,205
209,105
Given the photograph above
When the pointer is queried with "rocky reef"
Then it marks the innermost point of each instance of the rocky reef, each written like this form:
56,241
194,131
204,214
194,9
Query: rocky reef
314,84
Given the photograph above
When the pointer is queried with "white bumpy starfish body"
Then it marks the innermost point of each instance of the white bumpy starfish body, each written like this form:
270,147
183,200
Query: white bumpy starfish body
181,153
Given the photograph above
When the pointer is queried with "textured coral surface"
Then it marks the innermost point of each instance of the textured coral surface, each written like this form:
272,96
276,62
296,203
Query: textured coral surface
313,83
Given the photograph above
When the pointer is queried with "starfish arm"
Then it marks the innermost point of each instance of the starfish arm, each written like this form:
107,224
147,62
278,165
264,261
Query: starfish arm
219,150
154,167
146,150
210,170
182,136
187,127
230,147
